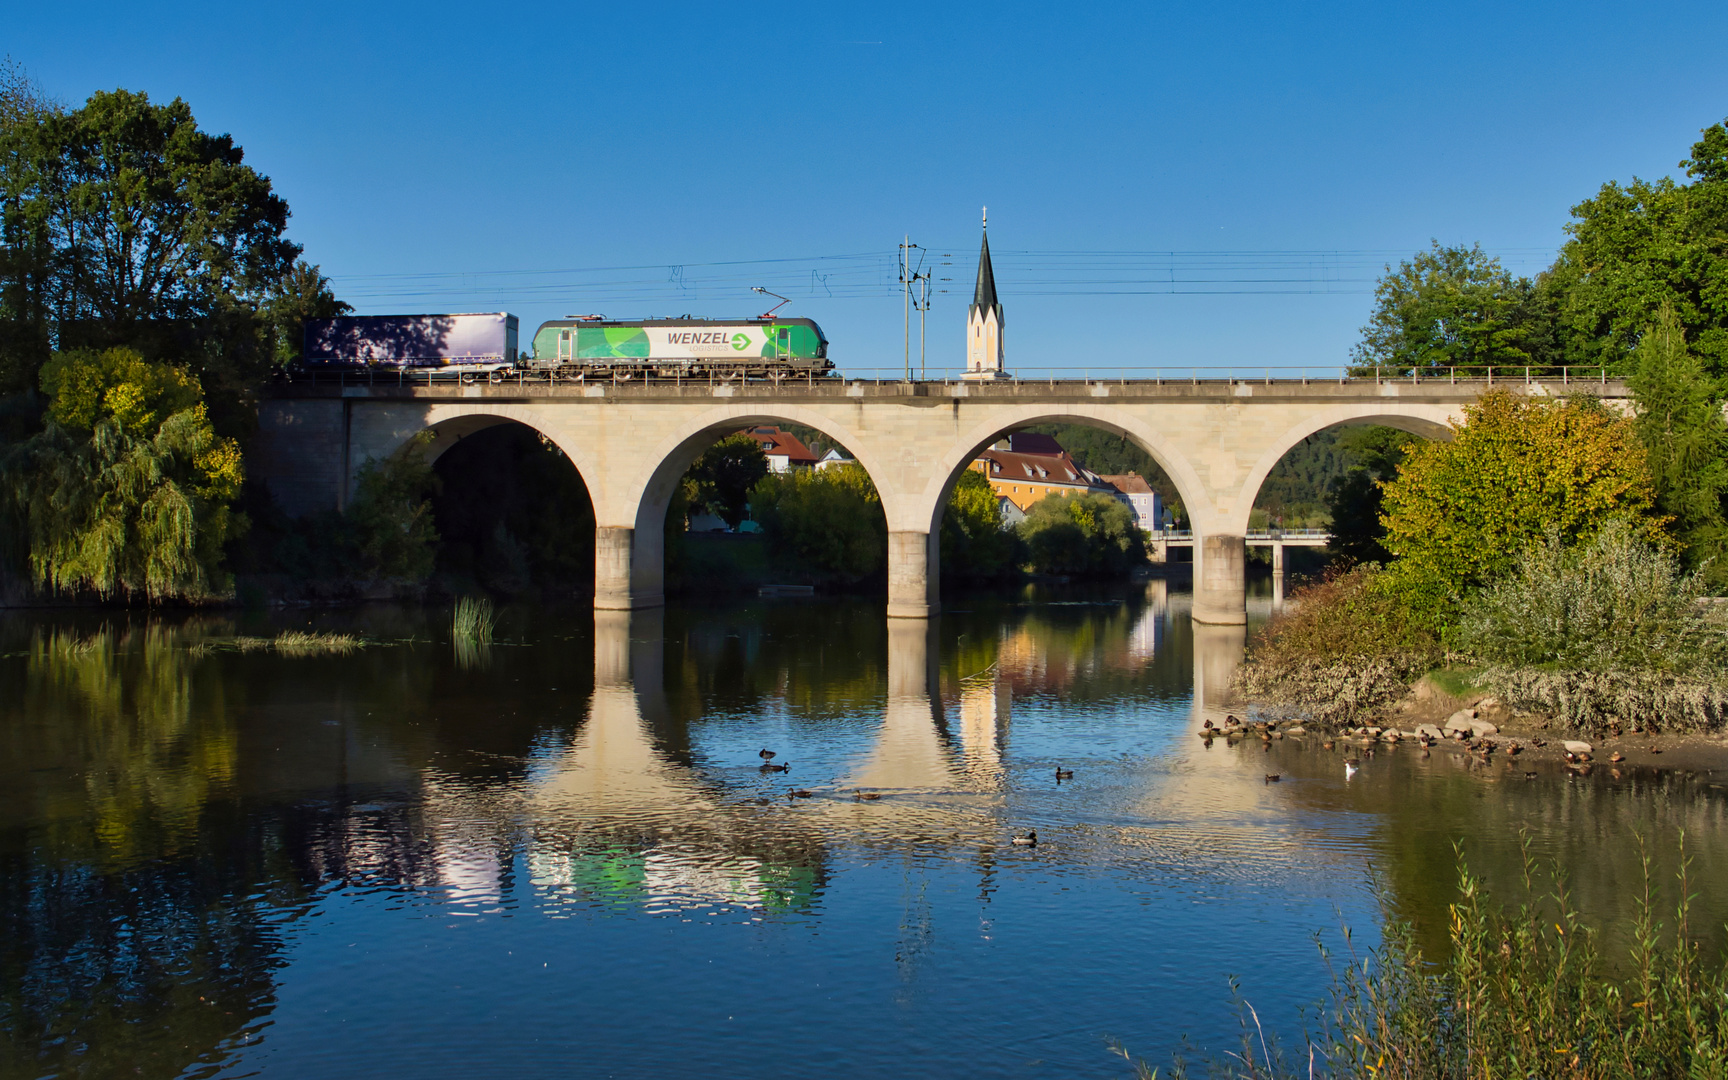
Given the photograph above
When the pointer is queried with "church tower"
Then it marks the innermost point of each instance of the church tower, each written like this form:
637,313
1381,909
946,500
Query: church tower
984,320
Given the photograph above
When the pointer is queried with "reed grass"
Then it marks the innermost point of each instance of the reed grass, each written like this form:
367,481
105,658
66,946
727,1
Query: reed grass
1526,992
472,621
294,643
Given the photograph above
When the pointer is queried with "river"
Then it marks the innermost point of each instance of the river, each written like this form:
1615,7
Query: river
560,854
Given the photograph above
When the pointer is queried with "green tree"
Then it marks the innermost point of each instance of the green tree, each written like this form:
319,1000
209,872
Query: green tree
302,293
724,475
1648,245
1686,443
1455,306
830,519
1084,535
128,490
1459,512
132,226
975,544
25,253
395,535
1354,499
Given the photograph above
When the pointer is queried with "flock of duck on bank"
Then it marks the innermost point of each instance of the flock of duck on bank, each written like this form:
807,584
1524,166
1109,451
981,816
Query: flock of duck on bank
1465,730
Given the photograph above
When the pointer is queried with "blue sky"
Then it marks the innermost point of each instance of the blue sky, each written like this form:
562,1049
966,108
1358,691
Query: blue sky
514,157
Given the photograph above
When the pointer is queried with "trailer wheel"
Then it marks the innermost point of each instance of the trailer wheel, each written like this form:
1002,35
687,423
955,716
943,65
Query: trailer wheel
467,378
494,376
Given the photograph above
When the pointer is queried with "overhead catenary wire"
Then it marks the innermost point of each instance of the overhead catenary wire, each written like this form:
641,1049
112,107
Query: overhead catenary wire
877,275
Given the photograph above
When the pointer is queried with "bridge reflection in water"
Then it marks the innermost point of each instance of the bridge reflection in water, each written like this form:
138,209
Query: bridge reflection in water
616,816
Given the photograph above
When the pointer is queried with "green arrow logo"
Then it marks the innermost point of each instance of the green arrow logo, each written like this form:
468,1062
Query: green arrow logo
740,342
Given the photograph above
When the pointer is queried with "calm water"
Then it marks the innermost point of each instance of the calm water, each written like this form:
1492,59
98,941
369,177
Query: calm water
559,856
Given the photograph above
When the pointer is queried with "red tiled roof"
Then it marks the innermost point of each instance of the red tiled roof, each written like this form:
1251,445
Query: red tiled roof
773,441
1128,483
1007,466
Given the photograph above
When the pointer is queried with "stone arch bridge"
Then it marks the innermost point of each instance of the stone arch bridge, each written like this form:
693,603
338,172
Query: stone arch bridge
1216,438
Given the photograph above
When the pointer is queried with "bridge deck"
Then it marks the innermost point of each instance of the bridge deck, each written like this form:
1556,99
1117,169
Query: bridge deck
402,385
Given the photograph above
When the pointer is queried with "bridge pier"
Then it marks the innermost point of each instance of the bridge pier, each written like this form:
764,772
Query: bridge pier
913,570
1220,580
629,568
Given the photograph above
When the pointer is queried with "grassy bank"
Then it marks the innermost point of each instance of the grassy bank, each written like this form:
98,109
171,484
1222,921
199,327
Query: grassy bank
1524,992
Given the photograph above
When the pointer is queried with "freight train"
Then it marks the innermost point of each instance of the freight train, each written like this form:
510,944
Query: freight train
471,347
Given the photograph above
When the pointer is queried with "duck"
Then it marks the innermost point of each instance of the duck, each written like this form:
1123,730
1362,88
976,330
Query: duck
1207,724
798,794
1273,778
1529,776
777,768
868,796
1616,756
1029,838
1064,774
765,754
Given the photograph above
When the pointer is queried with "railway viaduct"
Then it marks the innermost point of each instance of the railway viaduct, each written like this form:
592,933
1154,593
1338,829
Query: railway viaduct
631,442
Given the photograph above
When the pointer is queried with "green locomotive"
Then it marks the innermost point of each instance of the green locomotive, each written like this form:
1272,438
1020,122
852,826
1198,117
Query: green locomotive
696,348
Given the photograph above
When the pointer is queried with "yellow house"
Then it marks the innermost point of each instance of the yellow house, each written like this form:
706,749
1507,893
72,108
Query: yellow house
1026,467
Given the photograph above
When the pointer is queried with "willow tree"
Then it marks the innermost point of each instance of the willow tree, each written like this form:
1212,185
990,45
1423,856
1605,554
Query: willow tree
127,490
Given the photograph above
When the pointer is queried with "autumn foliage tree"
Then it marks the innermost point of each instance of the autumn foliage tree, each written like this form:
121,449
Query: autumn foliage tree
1518,469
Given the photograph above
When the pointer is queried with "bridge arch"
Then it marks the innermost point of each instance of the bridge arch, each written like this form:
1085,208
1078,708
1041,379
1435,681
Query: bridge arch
1424,421
630,539
381,433
932,501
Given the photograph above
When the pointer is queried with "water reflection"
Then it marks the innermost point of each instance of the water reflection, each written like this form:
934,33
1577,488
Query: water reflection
190,841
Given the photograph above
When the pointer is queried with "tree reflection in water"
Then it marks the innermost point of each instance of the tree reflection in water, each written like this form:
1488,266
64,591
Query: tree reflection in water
168,818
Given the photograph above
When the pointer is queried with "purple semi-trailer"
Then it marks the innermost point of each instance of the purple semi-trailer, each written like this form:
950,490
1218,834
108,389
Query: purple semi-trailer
481,345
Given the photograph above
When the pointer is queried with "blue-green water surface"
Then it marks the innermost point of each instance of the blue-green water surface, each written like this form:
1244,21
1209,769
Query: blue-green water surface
560,855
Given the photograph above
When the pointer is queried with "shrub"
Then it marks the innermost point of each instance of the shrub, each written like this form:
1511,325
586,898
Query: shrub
1614,603
1342,650
830,519
975,543
724,476
393,532
1084,535
1607,702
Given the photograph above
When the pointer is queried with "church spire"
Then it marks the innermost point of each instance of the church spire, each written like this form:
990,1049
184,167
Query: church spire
984,320
984,296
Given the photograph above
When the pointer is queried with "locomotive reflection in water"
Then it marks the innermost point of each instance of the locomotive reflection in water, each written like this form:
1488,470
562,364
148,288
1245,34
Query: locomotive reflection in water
472,347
